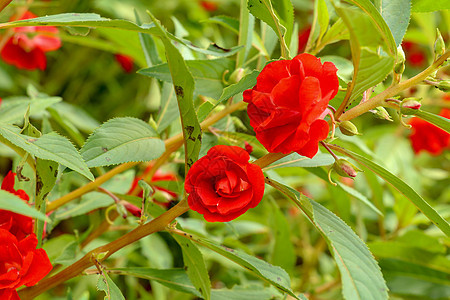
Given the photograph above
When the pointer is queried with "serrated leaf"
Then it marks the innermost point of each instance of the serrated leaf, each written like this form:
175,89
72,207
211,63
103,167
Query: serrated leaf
50,146
437,120
272,274
397,14
361,275
402,187
207,74
184,89
13,109
13,203
195,266
122,140
285,12
263,10
111,290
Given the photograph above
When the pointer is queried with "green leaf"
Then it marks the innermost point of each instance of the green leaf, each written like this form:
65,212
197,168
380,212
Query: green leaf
176,279
225,21
263,10
402,187
111,290
14,109
247,82
169,108
437,120
379,23
322,17
272,274
370,65
195,266
88,203
76,116
207,74
13,203
283,252
122,140
50,146
397,14
429,5
296,160
148,46
285,12
361,275
46,173
184,89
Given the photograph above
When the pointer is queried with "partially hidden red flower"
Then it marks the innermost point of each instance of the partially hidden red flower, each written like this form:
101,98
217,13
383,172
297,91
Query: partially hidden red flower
158,176
18,225
20,263
303,37
222,185
415,54
287,105
125,61
428,137
208,5
26,48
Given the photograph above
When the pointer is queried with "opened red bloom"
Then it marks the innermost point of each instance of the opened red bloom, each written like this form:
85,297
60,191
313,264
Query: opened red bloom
26,48
18,225
20,263
223,185
287,103
428,137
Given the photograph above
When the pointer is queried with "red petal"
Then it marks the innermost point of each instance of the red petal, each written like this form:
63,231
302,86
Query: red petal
318,132
271,75
234,153
286,93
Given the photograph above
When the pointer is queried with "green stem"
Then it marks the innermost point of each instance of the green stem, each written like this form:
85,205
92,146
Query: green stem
379,100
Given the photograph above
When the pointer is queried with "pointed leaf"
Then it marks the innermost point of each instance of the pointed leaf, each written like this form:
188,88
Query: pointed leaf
361,275
122,140
50,146
13,203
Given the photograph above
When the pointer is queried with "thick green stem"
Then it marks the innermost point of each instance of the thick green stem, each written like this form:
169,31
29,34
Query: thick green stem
393,90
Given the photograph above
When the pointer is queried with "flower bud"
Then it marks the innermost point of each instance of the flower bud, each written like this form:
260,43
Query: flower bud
439,44
348,128
236,76
408,104
248,148
381,113
344,168
400,63
444,85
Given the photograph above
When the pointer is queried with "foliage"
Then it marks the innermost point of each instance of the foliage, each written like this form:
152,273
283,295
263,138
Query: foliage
103,153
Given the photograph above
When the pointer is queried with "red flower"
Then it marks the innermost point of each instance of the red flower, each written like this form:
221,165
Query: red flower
222,185
208,5
303,37
428,137
20,263
125,61
287,103
19,225
415,54
26,48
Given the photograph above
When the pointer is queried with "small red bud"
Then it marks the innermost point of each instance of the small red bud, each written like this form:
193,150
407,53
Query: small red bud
248,148
133,209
